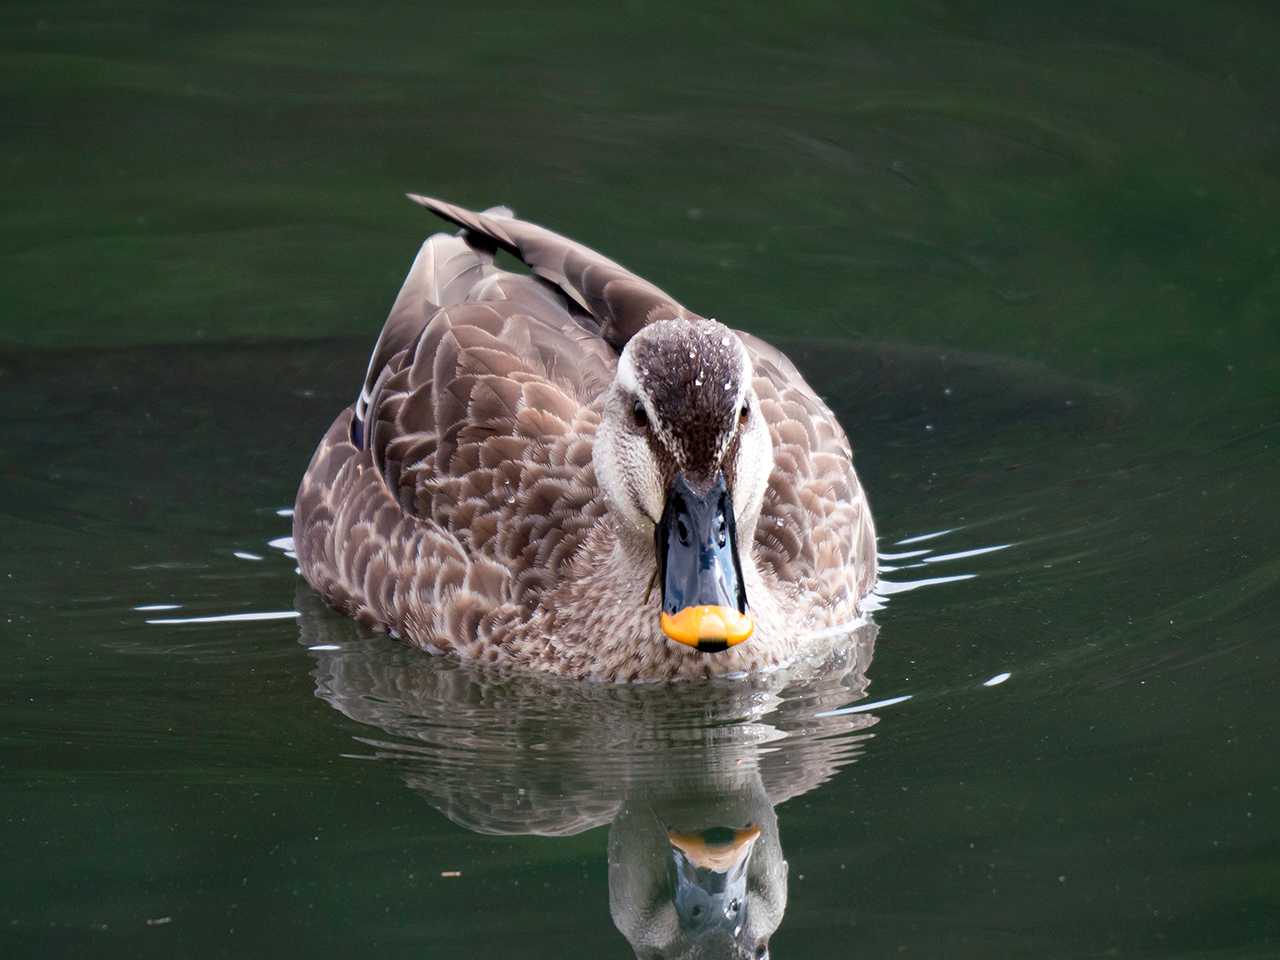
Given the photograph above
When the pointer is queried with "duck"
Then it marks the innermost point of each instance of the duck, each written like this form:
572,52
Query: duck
567,471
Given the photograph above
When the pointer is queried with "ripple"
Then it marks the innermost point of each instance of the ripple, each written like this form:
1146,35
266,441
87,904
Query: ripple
921,538
864,707
231,617
963,554
887,588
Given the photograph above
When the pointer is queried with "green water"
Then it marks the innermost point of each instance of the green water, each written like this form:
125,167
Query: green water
1029,253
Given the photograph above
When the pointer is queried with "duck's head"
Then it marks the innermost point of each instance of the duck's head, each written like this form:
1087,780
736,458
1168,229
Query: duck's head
683,454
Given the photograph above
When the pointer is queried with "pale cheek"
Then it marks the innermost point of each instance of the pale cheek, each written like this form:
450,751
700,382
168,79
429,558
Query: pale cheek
642,480
625,471
609,473
755,462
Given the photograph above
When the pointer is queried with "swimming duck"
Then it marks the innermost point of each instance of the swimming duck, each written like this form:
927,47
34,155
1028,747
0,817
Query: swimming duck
568,471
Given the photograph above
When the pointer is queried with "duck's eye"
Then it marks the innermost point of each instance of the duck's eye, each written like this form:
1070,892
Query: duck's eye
744,412
638,415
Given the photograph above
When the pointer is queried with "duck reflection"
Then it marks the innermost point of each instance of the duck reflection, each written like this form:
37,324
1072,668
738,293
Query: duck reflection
687,776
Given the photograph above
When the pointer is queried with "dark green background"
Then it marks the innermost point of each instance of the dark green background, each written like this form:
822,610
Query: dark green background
1029,252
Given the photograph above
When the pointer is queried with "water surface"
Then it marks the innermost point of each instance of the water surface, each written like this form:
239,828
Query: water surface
1028,257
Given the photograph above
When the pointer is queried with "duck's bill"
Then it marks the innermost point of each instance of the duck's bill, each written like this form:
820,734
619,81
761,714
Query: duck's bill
709,628
704,603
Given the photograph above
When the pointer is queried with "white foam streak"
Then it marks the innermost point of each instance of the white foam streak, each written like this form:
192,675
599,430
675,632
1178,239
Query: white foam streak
887,588
977,552
232,617
904,555
864,707
925,536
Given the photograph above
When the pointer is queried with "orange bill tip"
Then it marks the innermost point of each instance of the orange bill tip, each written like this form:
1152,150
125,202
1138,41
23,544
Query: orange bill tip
707,628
